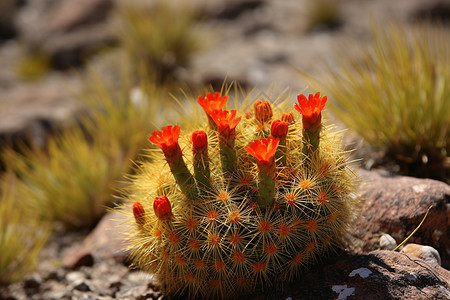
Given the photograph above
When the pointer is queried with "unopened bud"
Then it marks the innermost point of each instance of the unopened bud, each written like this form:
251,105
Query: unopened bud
162,207
279,129
263,111
288,117
199,141
139,213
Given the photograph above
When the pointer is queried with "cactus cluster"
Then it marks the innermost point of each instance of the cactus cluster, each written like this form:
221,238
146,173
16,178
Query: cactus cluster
244,205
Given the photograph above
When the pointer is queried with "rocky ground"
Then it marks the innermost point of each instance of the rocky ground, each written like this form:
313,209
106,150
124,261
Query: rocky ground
257,43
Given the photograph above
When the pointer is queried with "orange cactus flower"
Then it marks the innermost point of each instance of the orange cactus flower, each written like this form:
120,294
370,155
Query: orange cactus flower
263,111
167,140
226,123
139,213
279,129
264,149
312,106
162,208
199,141
212,102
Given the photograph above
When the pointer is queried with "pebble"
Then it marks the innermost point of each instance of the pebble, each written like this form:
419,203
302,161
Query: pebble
82,287
387,242
427,253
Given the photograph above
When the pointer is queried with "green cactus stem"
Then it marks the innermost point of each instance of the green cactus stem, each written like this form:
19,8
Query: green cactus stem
264,150
202,172
183,177
167,140
311,109
279,129
227,155
266,186
311,136
226,127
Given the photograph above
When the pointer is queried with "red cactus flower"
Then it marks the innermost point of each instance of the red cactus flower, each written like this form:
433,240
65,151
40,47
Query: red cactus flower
312,106
311,109
279,129
199,141
167,140
139,213
226,123
264,149
162,208
212,102
263,111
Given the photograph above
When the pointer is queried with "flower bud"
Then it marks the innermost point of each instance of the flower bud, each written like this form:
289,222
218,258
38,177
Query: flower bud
263,111
199,141
288,117
162,207
279,129
139,213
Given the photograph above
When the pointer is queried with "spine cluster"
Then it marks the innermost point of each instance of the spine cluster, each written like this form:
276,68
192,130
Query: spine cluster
243,204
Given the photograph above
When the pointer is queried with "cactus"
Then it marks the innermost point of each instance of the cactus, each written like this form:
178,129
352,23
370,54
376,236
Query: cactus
255,201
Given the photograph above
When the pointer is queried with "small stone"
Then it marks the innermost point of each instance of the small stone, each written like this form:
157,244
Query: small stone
426,253
32,282
82,287
75,276
387,242
116,285
78,258
397,204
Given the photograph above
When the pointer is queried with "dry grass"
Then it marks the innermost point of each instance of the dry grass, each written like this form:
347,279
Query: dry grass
158,36
397,96
70,181
22,235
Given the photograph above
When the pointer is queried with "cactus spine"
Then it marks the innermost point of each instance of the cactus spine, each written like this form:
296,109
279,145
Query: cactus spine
260,206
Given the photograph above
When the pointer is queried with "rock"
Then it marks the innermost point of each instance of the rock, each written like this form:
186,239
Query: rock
8,10
378,275
82,287
75,276
396,205
32,284
66,50
79,257
32,111
68,32
427,253
387,242
104,242
68,15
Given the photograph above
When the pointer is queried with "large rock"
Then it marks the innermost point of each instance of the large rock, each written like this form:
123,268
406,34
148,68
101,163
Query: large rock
377,275
69,32
105,242
396,205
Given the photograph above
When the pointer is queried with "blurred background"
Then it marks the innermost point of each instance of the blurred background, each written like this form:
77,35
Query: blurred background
84,83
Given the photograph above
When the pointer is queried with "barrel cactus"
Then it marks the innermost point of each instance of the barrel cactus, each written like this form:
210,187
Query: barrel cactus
244,203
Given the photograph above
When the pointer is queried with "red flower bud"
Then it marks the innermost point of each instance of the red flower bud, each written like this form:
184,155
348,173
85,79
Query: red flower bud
162,207
288,117
279,129
199,141
139,213
263,111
